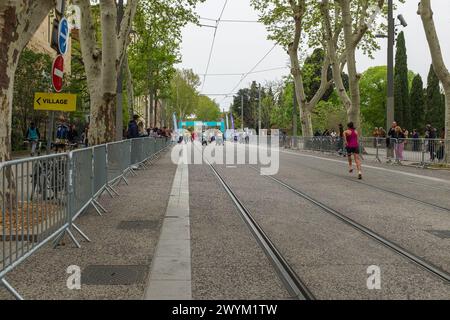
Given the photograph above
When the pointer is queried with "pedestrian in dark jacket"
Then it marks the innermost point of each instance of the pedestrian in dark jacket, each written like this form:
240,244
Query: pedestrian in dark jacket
133,129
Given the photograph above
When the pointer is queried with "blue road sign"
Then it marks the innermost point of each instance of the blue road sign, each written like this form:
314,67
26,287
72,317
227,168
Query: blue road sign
63,35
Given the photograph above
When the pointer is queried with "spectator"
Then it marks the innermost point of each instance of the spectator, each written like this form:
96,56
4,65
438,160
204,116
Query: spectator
33,135
84,137
390,141
441,148
416,141
333,134
141,129
341,140
430,135
72,134
61,136
133,129
399,143
375,135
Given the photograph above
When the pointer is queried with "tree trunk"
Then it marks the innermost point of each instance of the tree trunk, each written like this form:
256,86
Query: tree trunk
102,65
439,66
306,122
19,20
305,115
103,117
353,112
150,113
130,88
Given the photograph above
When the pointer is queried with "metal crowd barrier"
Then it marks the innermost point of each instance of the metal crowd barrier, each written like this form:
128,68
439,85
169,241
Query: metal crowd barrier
41,197
421,151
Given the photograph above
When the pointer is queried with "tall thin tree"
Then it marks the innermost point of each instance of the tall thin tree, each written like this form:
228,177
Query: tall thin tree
417,103
401,93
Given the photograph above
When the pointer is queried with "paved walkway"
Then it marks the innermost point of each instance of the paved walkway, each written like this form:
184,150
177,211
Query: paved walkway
116,264
170,277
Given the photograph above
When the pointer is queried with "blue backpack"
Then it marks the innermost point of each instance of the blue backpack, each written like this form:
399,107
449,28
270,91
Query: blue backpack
61,133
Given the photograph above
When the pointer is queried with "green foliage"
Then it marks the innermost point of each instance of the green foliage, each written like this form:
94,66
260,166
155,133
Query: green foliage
76,83
328,115
282,111
373,88
312,74
206,110
155,43
434,104
417,103
401,91
32,75
183,95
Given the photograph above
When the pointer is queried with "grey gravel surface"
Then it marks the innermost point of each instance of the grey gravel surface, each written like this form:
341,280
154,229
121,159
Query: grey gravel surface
436,173
43,275
400,220
435,192
227,262
330,256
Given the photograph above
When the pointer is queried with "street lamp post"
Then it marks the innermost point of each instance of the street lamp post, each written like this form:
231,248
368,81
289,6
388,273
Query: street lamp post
259,109
390,72
242,112
294,116
390,107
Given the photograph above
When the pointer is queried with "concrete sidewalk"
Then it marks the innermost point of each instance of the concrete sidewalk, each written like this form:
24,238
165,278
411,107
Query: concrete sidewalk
116,263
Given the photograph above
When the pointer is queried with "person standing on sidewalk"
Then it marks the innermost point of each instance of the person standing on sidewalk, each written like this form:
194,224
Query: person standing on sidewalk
399,144
351,138
390,141
33,135
133,129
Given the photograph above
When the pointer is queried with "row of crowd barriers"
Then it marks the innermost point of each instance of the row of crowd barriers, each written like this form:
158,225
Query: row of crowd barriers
421,152
41,197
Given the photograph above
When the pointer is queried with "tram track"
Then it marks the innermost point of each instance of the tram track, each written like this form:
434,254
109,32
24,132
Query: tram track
388,191
290,279
420,262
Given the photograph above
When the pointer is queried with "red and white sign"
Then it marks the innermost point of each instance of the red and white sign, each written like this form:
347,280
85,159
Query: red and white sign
58,73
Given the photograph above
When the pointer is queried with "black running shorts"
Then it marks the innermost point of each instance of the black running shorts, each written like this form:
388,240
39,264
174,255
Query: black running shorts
351,150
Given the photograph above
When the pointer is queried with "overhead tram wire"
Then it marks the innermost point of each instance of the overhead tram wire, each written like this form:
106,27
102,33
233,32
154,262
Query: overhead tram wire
232,20
242,74
248,73
213,42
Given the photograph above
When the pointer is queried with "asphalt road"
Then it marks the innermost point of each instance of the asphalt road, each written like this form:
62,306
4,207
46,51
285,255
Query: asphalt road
405,206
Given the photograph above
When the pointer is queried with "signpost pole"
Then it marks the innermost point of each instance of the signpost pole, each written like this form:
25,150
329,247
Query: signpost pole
51,122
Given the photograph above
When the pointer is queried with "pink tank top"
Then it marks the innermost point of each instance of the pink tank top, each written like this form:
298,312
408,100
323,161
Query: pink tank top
352,139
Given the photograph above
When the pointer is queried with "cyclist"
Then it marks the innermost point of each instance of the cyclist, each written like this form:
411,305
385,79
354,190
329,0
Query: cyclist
33,135
352,146
61,137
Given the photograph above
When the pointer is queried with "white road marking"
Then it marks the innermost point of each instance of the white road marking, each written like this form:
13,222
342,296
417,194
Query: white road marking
170,276
371,167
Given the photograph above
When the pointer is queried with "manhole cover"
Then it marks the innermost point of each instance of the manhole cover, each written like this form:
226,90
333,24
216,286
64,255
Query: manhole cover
443,234
138,225
113,275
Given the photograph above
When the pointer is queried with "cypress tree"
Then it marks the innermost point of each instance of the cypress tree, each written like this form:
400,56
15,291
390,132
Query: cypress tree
401,94
434,106
417,103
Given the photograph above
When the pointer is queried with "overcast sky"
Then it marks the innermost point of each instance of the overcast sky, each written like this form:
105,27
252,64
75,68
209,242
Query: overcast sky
239,46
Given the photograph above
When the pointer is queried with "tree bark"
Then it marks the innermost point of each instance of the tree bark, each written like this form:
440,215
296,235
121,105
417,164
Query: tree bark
353,110
19,20
130,88
102,65
439,66
305,107
344,22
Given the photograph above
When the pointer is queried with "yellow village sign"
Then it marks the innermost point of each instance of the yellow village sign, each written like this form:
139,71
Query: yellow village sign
55,101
